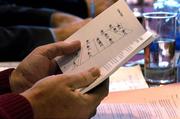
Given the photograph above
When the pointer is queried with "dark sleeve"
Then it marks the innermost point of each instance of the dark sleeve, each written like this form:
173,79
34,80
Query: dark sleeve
16,15
17,42
4,81
76,7
15,106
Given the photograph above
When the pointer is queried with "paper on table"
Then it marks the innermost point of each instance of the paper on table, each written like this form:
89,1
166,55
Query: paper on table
3,68
127,78
7,65
152,103
108,41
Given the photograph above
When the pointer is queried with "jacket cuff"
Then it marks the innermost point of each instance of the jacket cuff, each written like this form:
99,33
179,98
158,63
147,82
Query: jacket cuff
4,81
15,106
46,14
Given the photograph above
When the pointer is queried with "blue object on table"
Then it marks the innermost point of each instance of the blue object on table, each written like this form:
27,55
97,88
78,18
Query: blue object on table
92,9
178,69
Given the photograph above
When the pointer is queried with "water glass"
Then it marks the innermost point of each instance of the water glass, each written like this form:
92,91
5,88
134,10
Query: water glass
159,67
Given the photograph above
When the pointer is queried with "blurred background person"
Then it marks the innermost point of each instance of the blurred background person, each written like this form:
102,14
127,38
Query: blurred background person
22,29
81,8
25,25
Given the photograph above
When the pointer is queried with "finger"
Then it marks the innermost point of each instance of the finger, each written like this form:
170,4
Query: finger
57,49
93,113
80,24
96,95
84,79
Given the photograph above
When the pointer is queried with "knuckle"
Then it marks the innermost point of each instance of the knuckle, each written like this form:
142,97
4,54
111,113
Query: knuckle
83,77
65,77
47,50
38,49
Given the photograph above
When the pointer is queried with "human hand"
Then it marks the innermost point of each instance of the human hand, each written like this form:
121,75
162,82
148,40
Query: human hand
63,33
59,19
57,97
99,5
39,64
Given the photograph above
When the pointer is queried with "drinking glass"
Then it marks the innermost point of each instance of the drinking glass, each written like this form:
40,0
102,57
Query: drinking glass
159,67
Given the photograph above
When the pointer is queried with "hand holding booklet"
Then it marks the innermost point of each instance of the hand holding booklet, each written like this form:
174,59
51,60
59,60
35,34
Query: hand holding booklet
108,41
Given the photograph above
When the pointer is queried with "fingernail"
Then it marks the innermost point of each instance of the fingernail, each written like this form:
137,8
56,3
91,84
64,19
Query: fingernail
94,72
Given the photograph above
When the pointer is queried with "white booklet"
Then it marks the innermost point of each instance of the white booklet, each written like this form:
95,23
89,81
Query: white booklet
108,41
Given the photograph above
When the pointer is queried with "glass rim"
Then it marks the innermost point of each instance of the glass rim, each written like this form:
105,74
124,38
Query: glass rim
164,15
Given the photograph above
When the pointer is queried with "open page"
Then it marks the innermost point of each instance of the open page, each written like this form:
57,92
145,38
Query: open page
152,103
108,41
127,78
